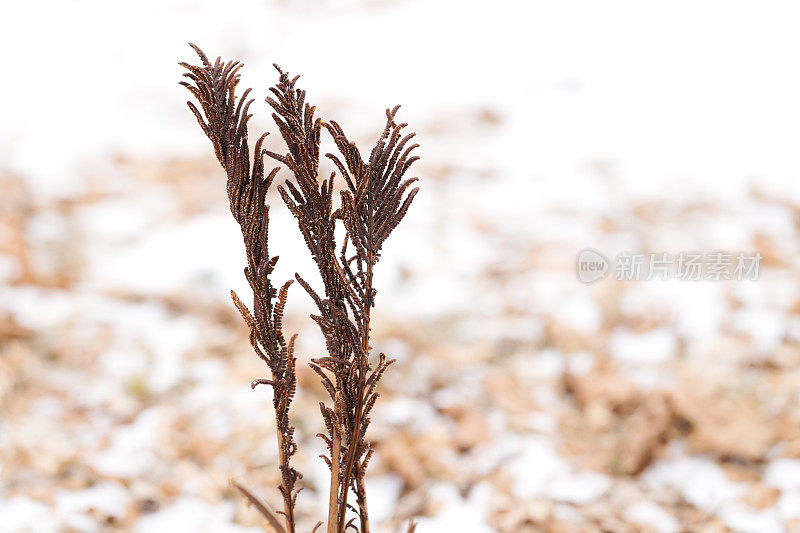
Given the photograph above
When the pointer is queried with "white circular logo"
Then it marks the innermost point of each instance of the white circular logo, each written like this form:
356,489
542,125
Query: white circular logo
591,265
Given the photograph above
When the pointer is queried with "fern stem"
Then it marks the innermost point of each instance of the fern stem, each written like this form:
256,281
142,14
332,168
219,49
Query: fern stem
333,499
362,370
362,501
288,508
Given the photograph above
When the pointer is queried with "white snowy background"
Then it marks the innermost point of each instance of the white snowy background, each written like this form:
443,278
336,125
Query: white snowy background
545,128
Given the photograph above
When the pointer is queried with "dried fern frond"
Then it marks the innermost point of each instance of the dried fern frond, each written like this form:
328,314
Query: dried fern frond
376,199
223,117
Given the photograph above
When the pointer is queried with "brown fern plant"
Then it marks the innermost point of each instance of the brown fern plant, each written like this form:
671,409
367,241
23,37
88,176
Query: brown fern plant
224,120
374,199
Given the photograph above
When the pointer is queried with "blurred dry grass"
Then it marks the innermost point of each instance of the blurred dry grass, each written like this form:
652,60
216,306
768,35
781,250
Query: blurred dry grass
154,424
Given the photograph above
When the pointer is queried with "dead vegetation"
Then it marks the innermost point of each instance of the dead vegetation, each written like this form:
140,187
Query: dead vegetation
375,200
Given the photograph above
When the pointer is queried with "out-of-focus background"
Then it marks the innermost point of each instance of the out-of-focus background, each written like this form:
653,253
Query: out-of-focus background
523,399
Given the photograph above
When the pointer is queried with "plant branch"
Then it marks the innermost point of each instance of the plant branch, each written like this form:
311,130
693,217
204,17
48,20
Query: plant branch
261,505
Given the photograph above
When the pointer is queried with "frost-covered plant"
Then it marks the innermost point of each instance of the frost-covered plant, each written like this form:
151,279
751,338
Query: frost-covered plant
373,201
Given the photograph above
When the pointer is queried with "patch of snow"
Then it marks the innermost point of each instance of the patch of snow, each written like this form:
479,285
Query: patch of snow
789,504
581,363
456,513
10,268
541,422
205,251
783,473
107,498
189,513
700,480
410,412
774,290
652,515
383,494
548,363
394,348
48,407
121,363
579,487
480,328
579,312
117,220
134,447
654,346
697,309
744,519
535,366
38,309
766,327
23,515
536,468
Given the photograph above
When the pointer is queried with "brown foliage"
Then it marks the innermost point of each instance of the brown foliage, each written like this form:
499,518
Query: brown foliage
375,200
